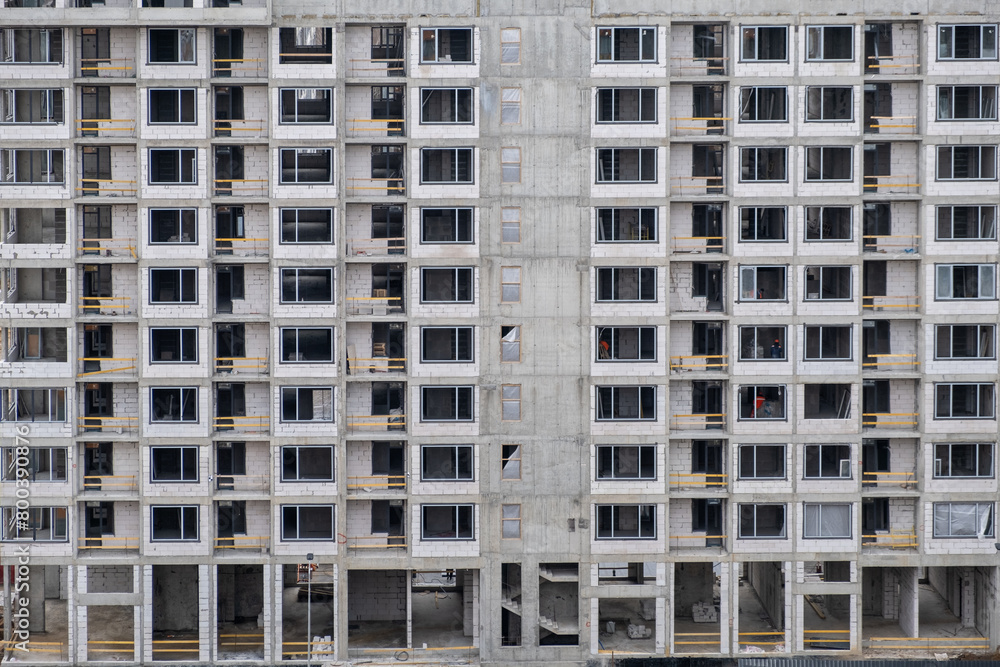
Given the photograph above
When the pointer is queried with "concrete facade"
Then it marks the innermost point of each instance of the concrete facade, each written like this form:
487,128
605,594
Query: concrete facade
549,331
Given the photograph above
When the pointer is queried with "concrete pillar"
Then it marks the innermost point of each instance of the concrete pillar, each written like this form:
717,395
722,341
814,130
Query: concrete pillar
147,612
661,624
968,584
267,615
81,627
594,630
726,606
36,598
909,602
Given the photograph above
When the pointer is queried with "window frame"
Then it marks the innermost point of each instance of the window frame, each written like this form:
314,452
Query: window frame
755,535
283,114
471,344
283,392
181,402
754,225
510,105
642,397
184,515
510,402
178,45
978,338
510,521
510,284
949,46
186,216
183,155
812,31
509,454
826,114
457,104
766,351
180,106
824,152
821,328
641,332
463,230
755,56
469,151
510,224
297,271
642,218
9,469
297,509
949,103
821,224
438,58
977,453
982,222
283,239
510,345
980,400
941,270
185,356
641,271
459,453
824,269
612,154
605,56
949,150
505,50
299,479
615,509
57,516
181,298
292,52
460,274
755,290
750,98
185,452
818,458
510,165
332,358
819,521
298,151
50,112
751,450
990,533
460,535
50,48
644,105
643,453
54,408
750,169
458,415
780,389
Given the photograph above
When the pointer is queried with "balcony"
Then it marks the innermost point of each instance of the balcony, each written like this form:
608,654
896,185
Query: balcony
236,523
891,108
698,523
375,348
375,51
95,61
890,404
888,524
891,168
242,408
108,290
697,287
384,222
889,346
705,111
100,412
376,525
240,170
698,50
697,169
108,171
376,467
384,166
697,405
242,230
892,48
376,111
231,103
109,527
28,290
375,289
376,407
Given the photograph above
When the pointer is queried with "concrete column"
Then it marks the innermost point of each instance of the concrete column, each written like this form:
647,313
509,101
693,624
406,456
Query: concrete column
593,639
36,598
274,630
661,624
147,612
267,615
206,597
968,584
81,628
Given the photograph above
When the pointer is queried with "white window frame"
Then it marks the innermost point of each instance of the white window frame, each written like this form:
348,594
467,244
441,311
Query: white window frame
181,60
329,360
439,57
9,105
944,282
984,513
757,152
987,34
299,478
296,222
816,39
752,52
183,154
427,93
615,509
978,448
986,103
985,221
646,98
985,337
647,218
298,152
978,400
468,390
298,389
460,274
180,94
9,468
48,157
185,216
297,508
185,452
987,161
298,95
180,273
750,104
296,271
813,527
35,514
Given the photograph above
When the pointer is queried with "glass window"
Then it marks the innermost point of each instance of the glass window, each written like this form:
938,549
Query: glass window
762,461
307,345
763,224
306,165
763,104
307,404
451,463
626,105
626,403
447,344
762,521
828,461
967,223
626,343
967,42
964,400
626,45
965,341
172,106
302,463
307,285
304,106
626,522
626,284
762,283
307,522
446,45
174,523
173,225
829,163
173,464
966,163
173,404
446,165
827,520
446,285
446,404
764,43
963,520
172,46
963,459
306,225
625,462
763,164
446,105
766,402
173,166
966,102
965,281
626,165
830,42
447,522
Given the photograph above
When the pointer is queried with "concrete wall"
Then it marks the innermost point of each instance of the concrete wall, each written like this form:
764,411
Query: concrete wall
377,595
175,598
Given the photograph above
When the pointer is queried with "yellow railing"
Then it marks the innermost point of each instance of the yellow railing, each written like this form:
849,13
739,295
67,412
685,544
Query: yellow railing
380,541
698,422
109,542
374,305
699,124
702,184
224,364
906,419
700,361
700,479
107,67
34,647
174,646
890,183
382,126
239,641
100,305
697,66
902,64
243,186
254,247
387,246
107,247
370,66
376,482
388,186
906,302
894,124
109,646
130,367
716,639
827,637
243,423
893,540
698,244
376,422
95,186
686,541
318,648
771,636
243,542
890,243
242,482
109,483
116,126
929,643
99,423
903,478
242,125
891,360
361,365
237,67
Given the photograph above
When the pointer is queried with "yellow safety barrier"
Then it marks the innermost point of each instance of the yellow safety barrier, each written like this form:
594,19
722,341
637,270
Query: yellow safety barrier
704,243
892,418
380,364
702,421
221,187
392,65
386,246
699,479
909,302
232,66
109,542
717,638
119,369
911,360
103,67
385,542
903,478
259,543
779,633
258,363
101,189
704,183
376,422
925,643
892,540
678,66
385,481
676,362
101,483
